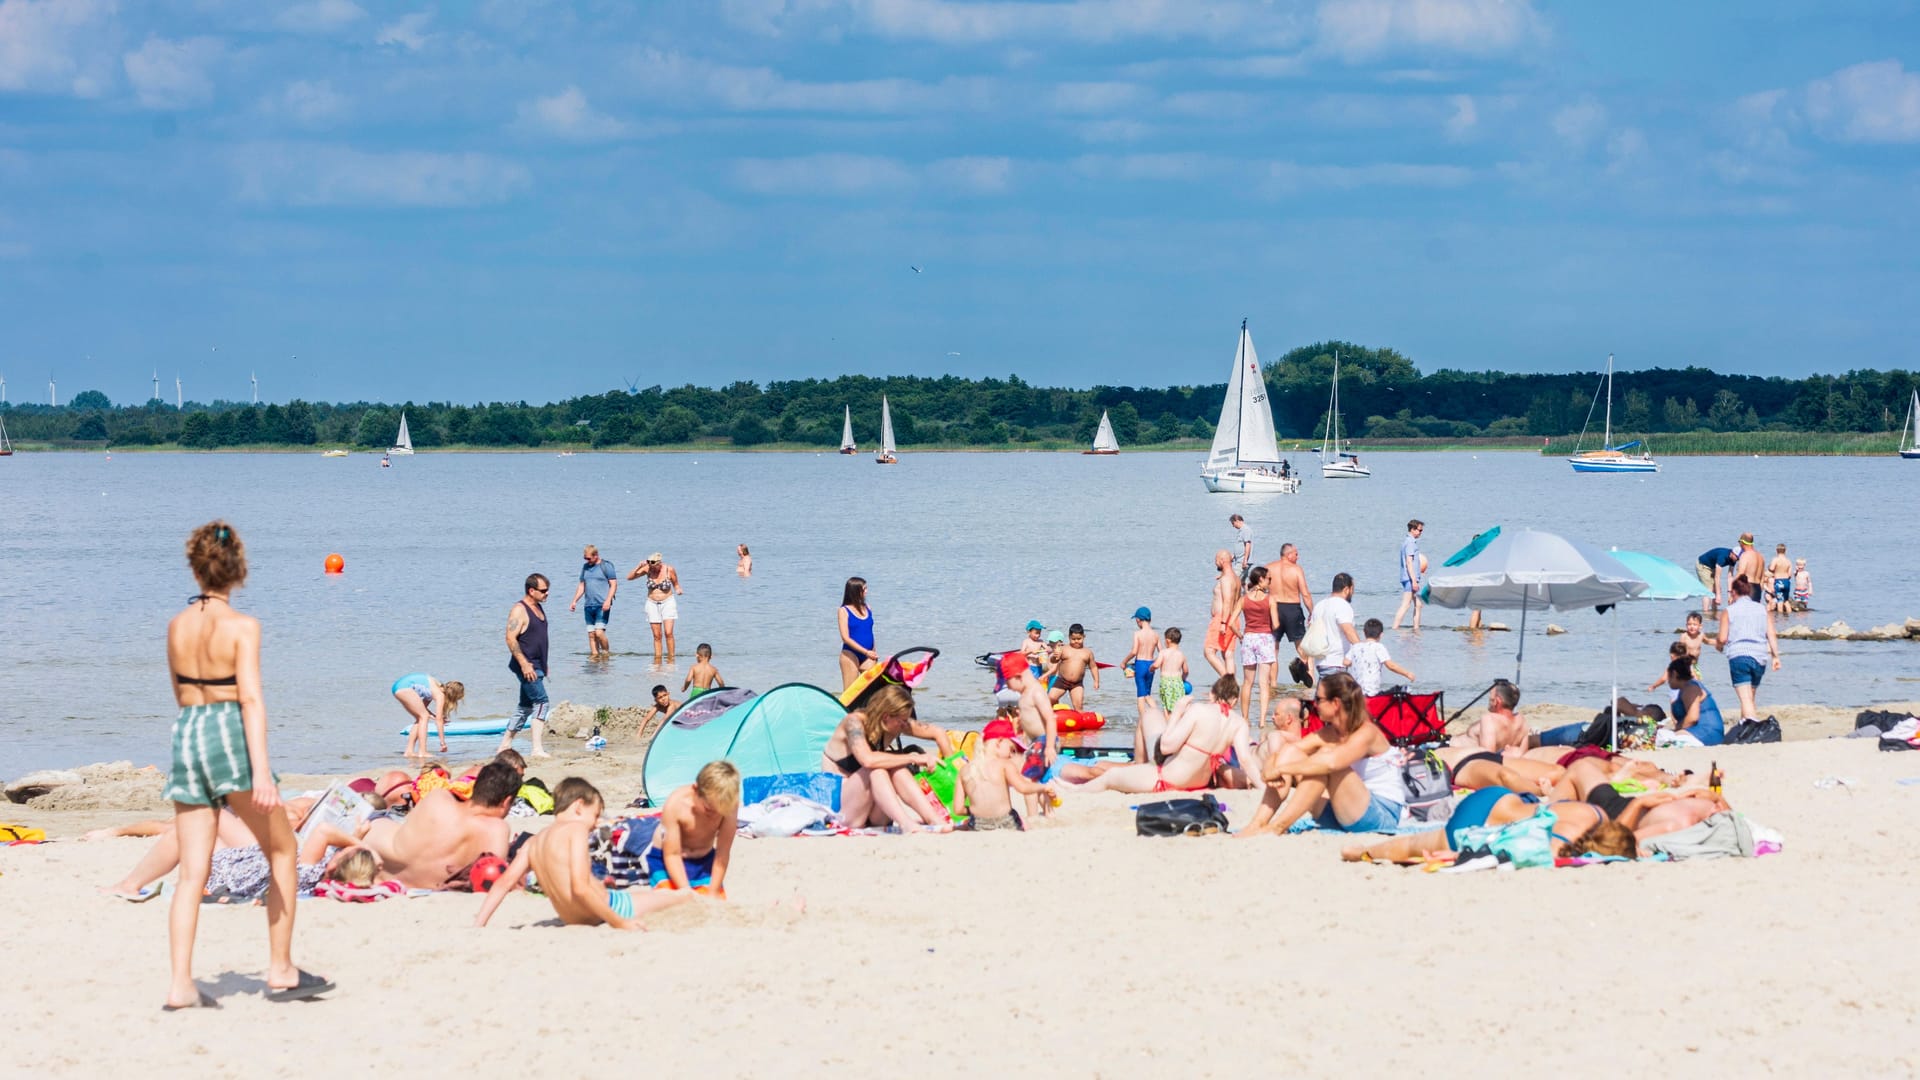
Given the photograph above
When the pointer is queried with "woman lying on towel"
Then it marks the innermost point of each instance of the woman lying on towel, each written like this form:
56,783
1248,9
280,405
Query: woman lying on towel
1346,774
1608,823
1202,739
879,788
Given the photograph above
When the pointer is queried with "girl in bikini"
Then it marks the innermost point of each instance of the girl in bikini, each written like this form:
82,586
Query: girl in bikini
1200,738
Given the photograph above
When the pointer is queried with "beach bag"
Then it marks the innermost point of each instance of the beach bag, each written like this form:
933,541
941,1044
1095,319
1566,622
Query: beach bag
1429,792
1316,642
1524,843
1754,731
1180,817
618,853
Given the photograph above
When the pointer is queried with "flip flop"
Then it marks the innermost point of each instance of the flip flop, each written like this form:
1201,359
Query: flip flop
206,1002
310,986
142,897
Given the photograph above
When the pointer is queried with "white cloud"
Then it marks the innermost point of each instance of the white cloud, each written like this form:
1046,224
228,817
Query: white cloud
173,74
1465,116
408,31
1362,28
1096,97
307,174
761,89
995,21
54,47
1113,131
1625,149
1874,102
567,115
1580,124
1290,176
821,174
319,16
973,175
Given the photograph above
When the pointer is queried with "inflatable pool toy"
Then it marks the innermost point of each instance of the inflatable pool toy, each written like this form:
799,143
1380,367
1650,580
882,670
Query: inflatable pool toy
466,727
1071,720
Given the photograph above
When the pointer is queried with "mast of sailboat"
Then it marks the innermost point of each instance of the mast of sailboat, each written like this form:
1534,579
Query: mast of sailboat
1607,444
1241,435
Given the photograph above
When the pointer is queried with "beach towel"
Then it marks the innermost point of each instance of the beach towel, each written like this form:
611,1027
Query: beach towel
618,852
783,815
1723,834
359,894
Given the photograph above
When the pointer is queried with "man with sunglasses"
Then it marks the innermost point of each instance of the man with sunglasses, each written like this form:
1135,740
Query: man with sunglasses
527,646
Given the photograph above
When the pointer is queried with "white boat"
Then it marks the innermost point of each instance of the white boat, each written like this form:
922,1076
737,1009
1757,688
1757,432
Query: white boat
1245,455
886,455
1337,461
6,444
1909,433
403,442
1103,440
1610,458
846,433
335,453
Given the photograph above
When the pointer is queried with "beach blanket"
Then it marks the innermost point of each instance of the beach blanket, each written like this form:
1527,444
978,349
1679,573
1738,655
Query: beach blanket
1719,836
783,815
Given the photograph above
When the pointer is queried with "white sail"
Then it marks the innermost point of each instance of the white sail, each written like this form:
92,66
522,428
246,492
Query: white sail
886,428
1909,432
1103,440
846,431
1226,436
403,442
6,445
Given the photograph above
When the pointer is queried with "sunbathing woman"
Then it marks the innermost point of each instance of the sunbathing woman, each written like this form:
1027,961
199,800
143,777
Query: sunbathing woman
1473,768
1195,745
239,870
879,788
1347,775
1607,824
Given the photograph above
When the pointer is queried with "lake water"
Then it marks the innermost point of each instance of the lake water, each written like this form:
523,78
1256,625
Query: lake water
960,549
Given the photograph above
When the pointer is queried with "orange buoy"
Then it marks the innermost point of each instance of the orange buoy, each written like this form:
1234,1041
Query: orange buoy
336,564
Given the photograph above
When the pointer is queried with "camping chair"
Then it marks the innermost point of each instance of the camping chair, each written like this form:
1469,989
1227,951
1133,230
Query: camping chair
1409,719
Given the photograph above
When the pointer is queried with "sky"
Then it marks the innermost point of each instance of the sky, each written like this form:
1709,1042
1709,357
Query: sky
528,200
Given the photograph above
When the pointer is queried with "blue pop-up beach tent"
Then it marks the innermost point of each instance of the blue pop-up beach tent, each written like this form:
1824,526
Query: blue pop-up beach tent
779,732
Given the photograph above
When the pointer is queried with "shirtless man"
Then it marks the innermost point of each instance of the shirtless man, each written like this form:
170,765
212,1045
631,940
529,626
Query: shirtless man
1073,661
1035,711
1293,601
663,585
557,857
442,835
1780,570
691,847
1749,565
1226,589
1499,729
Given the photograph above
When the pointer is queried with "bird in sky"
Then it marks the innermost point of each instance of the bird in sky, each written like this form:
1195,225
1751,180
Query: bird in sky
915,269
953,354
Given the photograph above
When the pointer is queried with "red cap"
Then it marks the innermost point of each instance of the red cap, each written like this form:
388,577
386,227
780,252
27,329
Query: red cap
1011,664
1002,729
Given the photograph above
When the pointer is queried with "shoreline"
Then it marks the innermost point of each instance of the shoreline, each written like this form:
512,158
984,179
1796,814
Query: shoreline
1439,446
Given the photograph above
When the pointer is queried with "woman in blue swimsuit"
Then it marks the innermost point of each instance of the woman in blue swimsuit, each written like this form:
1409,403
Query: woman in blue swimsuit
857,653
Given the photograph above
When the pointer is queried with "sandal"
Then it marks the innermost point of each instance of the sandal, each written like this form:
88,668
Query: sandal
310,986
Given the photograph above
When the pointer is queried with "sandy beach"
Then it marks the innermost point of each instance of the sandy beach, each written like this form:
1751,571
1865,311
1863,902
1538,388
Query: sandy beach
1075,949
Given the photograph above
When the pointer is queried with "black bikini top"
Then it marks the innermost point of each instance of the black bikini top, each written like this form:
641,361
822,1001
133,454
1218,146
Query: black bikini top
188,680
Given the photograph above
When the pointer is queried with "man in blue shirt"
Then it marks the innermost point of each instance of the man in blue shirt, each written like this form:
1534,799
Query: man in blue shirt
1712,570
598,583
1412,569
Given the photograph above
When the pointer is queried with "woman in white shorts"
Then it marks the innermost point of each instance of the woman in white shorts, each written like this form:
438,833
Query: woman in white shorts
1256,606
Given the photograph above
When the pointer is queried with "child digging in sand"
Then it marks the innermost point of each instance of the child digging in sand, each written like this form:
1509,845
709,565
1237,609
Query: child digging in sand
992,774
695,837
558,859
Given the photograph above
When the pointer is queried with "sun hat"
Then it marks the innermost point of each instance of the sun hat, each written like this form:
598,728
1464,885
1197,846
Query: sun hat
1143,613
655,557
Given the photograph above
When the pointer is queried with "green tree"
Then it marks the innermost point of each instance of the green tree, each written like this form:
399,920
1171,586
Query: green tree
675,424
613,431
91,427
196,431
273,425
1680,417
1726,413
90,399
300,429
1383,427
223,429
1547,415
135,434
377,428
1637,413
750,430
1126,423
246,426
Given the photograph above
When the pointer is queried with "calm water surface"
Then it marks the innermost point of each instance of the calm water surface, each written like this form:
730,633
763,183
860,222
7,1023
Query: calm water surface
961,550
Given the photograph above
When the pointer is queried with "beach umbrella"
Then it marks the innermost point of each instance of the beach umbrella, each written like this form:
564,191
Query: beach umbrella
1528,569
1665,581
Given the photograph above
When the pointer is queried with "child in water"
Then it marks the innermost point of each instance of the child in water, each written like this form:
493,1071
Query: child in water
1802,586
702,676
557,857
1172,666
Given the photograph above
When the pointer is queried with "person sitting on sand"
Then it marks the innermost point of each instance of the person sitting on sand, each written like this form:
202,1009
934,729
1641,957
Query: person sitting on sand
441,836
1499,729
691,847
1199,738
1037,720
990,776
1073,666
1346,774
878,786
1696,718
557,857
702,676
427,699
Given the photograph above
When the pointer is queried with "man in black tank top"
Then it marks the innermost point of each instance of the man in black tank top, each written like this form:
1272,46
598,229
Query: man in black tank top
527,659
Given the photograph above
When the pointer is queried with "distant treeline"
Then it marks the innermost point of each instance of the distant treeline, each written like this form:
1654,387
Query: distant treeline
1382,396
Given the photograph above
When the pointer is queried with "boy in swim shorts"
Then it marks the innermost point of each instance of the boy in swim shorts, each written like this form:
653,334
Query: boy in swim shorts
1139,661
1073,664
557,858
695,837
1172,666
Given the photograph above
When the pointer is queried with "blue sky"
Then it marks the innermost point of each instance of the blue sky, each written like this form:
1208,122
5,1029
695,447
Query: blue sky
533,200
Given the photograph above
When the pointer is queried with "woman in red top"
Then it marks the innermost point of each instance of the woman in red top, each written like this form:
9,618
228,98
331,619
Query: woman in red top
1256,607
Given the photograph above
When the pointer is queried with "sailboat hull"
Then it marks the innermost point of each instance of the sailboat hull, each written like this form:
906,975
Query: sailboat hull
1910,455
1614,465
848,451
401,451
1344,470
1239,481
1101,453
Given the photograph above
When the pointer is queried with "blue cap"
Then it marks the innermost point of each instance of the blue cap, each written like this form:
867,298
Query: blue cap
1056,637
1143,613
1035,624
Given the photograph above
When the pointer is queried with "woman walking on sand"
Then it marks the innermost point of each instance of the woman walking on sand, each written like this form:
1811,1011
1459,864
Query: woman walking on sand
220,758
856,632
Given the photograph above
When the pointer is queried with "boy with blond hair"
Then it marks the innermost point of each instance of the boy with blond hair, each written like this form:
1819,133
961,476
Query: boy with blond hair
557,857
691,846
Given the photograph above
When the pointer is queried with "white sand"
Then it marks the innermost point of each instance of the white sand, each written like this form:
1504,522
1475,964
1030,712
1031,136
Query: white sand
1074,950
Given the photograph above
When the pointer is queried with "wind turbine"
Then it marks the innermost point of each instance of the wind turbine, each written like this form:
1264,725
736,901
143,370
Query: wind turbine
156,385
53,395
3,389
179,402
255,377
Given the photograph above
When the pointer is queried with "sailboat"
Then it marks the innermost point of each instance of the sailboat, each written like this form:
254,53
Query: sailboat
1336,461
1245,455
1909,434
1610,458
6,444
1103,441
886,455
846,434
403,442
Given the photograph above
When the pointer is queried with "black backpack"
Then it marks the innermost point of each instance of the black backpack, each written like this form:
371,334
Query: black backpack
1755,731
1181,817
